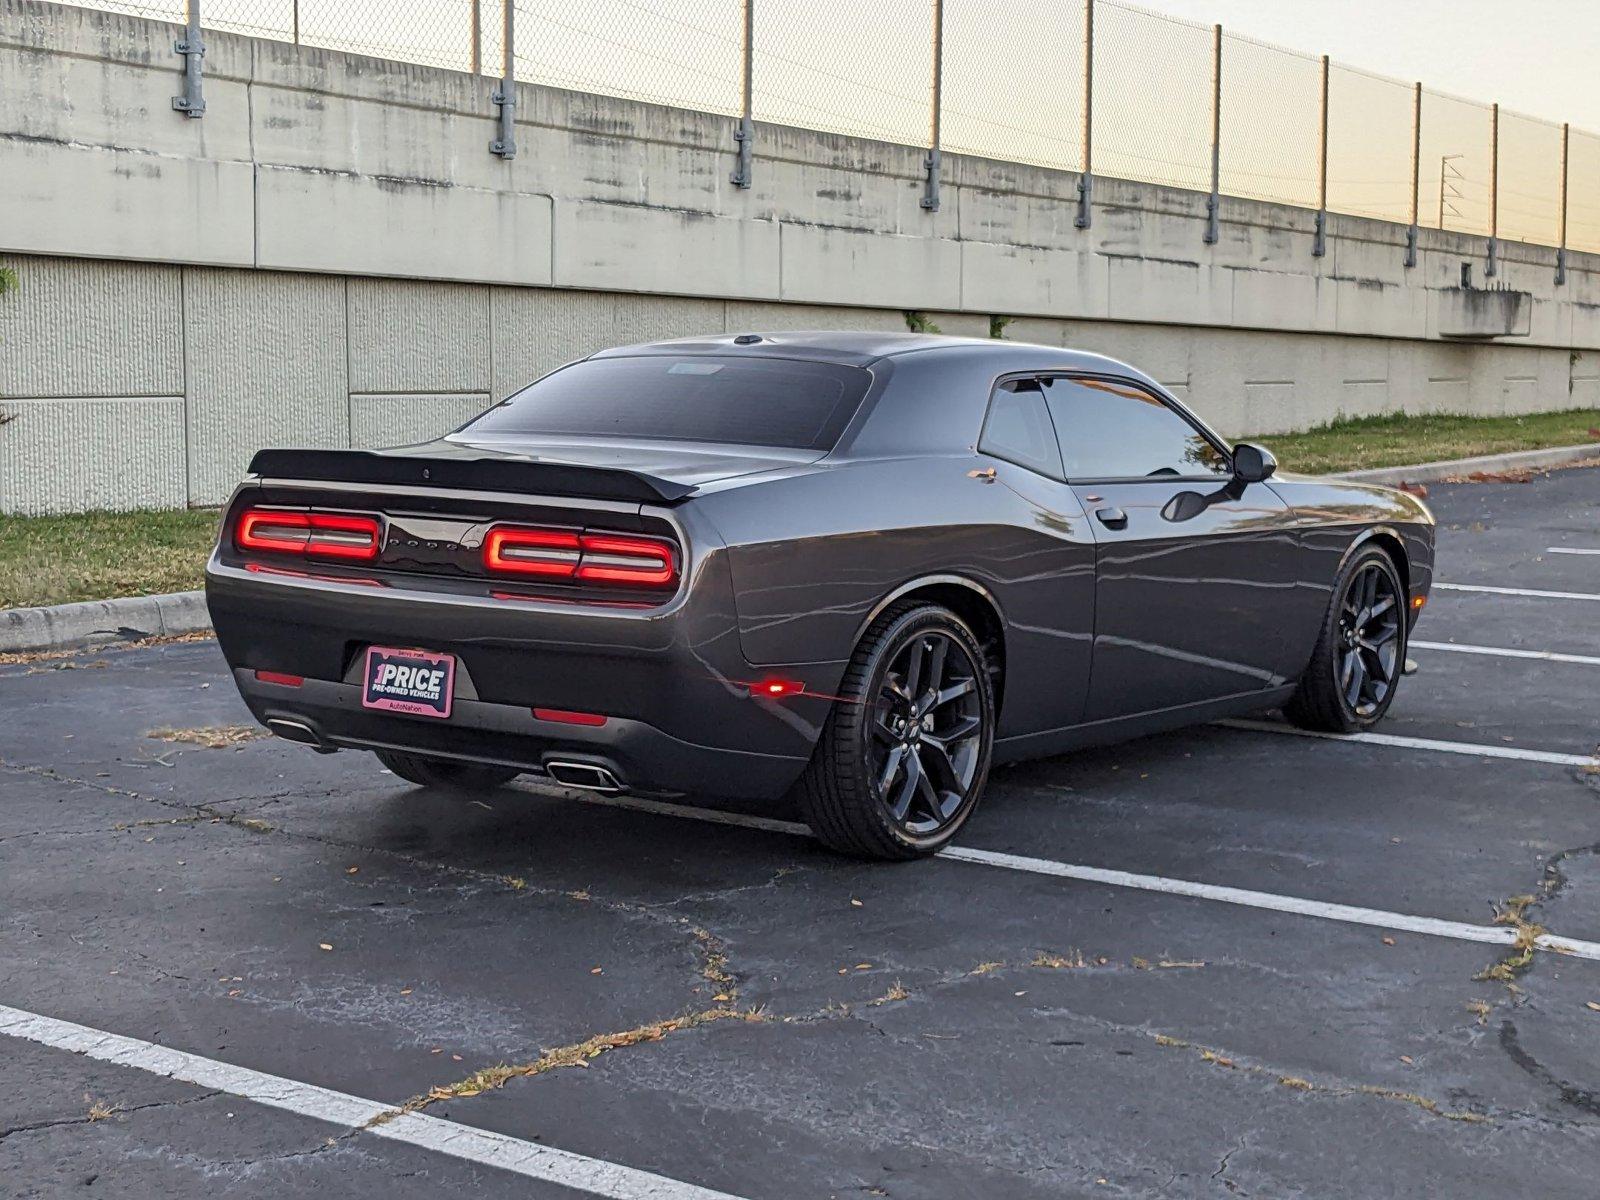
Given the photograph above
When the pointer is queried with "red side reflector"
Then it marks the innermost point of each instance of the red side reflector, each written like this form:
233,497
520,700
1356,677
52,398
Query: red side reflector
309,534
563,717
279,678
777,687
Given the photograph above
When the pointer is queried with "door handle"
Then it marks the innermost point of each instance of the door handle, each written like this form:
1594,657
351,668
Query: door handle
1112,518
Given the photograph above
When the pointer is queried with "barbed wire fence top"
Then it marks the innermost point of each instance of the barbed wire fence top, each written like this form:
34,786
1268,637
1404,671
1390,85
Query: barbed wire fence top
1017,84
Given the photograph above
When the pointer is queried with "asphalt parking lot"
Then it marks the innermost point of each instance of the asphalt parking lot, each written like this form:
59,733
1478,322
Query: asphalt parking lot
705,1000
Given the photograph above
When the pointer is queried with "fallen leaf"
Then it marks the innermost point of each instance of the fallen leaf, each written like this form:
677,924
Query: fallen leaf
325,945
854,903
1388,941
1406,1058
351,870
437,1050
405,991
1593,1005
595,970
722,996
863,966
455,1058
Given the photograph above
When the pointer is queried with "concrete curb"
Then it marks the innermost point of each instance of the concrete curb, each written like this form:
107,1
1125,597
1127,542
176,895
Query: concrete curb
93,622
1520,460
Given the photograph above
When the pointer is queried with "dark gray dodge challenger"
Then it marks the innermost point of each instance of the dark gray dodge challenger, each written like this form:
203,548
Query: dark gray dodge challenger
861,568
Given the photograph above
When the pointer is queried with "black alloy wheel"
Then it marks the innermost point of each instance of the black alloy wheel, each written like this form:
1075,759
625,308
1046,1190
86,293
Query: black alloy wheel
904,754
1369,639
927,733
1360,653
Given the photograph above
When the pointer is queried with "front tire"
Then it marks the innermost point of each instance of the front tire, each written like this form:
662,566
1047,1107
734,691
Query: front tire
904,755
445,773
1360,652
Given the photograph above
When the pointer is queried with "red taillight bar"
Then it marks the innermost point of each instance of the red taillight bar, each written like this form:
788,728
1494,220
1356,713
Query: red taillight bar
309,534
606,558
564,716
280,678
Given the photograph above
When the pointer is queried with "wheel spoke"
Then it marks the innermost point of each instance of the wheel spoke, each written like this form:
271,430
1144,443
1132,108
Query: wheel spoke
1357,678
918,656
932,795
935,672
954,692
881,731
963,728
908,789
891,768
1379,608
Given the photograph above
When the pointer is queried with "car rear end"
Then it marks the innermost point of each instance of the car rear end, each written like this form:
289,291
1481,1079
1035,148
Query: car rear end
477,600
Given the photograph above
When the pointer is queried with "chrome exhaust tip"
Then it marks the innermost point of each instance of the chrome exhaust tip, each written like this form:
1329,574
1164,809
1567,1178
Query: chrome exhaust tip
590,777
298,731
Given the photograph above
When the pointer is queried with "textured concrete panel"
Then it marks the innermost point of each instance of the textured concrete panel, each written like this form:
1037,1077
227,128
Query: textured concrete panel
411,336
822,266
81,327
538,329
266,358
747,316
1144,289
633,248
1032,280
378,421
319,221
87,200
70,455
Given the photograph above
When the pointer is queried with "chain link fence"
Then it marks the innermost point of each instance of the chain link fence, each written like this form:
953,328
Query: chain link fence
1086,85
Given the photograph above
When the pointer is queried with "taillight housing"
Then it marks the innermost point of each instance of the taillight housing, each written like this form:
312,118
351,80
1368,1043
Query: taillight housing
343,536
601,558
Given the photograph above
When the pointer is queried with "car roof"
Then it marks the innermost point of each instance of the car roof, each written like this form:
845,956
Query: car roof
862,348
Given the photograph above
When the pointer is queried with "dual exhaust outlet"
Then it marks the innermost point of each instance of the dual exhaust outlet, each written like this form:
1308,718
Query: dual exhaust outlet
587,776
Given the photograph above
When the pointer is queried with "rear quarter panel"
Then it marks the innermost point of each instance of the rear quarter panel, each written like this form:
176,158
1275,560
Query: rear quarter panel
815,556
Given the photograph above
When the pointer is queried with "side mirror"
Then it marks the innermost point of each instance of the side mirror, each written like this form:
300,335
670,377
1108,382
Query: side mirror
1253,463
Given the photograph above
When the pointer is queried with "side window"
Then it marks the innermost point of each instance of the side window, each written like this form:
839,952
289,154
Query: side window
1113,430
1018,428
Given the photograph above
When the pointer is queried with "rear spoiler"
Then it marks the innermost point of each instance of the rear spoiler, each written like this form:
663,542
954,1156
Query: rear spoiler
488,473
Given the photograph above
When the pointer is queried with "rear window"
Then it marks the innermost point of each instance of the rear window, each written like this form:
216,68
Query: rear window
694,398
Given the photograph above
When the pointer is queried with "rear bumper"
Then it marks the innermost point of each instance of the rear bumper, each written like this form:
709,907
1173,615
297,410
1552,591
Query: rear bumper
639,756
671,681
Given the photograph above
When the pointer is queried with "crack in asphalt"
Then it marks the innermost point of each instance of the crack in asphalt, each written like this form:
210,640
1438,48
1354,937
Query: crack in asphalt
36,1126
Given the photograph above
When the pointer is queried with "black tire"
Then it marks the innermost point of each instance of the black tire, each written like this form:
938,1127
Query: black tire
891,742
445,773
1361,649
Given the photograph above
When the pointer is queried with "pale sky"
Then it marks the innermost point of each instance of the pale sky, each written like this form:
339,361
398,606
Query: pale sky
1537,56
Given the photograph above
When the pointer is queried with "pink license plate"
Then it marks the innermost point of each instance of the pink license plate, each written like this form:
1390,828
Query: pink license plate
409,681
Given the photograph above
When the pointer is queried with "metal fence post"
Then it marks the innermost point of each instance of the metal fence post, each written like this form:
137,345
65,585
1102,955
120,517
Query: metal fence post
1492,266
505,96
930,193
1214,204
1416,172
1561,252
191,103
1319,243
745,134
1086,180
477,37
296,22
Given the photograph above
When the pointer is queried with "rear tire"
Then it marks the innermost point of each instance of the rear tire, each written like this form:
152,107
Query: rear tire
1360,652
445,773
904,754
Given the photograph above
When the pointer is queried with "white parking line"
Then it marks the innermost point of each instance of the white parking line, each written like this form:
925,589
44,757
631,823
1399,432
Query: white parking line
1510,591
1475,749
1509,652
1568,550
593,1175
1499,935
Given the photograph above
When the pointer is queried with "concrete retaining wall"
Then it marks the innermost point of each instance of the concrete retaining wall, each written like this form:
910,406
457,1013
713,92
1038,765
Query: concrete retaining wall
332,257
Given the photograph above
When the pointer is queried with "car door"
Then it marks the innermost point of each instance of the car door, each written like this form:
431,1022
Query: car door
1043,560
1192,567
